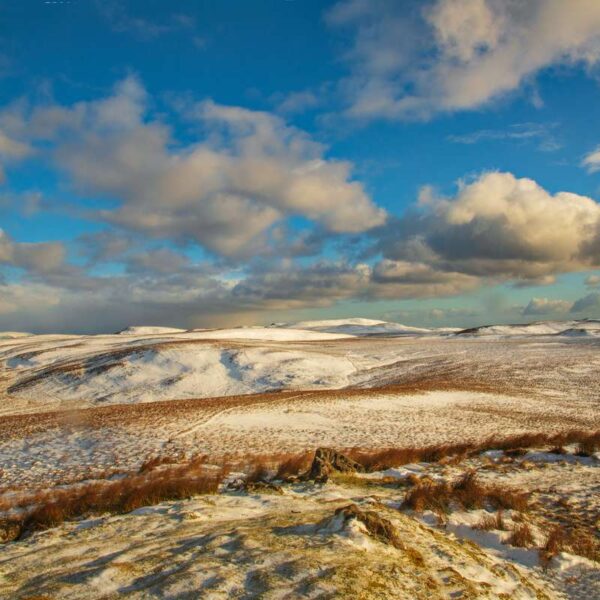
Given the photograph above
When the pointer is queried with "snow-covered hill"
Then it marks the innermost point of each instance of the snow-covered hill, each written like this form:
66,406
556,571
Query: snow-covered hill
12,335
357,326
585,327
149,330
147,364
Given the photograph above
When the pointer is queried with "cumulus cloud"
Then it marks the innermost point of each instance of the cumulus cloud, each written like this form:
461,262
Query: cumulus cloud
502,227
246,172
42,257
26,299
457,54
546,306
592,280
404,279
291,287
592,161
589,304
11,150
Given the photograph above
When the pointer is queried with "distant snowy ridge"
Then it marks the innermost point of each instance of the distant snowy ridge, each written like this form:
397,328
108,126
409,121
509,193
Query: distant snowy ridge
358,326
280,334
236,333
570,328
13,335
149,330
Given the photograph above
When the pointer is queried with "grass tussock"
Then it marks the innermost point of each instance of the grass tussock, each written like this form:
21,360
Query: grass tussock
466,492
293,464
522,536
120,496
159,479
579,541
157,461
588,447
513,446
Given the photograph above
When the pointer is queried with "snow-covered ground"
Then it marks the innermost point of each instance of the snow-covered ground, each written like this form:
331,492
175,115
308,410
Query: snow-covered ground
150,364
72,407
296,545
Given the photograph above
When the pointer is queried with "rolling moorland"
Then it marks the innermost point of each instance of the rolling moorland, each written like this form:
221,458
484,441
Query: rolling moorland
165,463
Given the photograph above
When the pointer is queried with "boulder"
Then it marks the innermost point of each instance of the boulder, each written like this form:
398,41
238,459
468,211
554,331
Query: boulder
377,526
328,460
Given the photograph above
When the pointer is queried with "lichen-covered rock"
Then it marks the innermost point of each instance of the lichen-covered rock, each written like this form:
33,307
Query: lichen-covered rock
328,460
9,531
378,527
263,487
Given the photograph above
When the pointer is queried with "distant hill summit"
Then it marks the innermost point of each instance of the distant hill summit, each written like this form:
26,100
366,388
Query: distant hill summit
590,327
359,326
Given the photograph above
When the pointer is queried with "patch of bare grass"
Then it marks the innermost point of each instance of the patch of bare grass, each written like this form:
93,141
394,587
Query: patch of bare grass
513,446
157,461
466,492
579,541
522,536
121,496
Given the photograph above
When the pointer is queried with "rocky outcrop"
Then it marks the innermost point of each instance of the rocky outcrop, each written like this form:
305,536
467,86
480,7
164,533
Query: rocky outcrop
377,526
328,460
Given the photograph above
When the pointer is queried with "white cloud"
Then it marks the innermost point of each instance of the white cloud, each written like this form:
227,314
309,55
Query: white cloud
248,171
592,280
10,148
546,306
457,54
592,161
500,226
519,132
11,151
297,102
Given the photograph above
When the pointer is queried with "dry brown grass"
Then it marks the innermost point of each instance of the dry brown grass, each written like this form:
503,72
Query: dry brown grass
581,541
152,485
157,461
293,464
175,483
588,446
522,536
513,446
466,492
379,527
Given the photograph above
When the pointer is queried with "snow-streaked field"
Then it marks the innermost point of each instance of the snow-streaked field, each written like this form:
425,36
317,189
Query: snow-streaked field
73,407
69,404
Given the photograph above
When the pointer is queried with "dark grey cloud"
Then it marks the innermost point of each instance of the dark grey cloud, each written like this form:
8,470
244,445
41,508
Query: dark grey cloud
588,304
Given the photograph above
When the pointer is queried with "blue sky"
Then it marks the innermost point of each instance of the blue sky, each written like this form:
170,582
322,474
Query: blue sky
223,163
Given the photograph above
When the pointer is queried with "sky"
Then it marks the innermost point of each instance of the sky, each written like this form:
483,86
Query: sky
204,164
